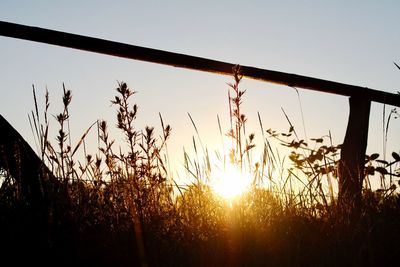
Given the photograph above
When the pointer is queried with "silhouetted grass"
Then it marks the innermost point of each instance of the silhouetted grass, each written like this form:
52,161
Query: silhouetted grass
119,206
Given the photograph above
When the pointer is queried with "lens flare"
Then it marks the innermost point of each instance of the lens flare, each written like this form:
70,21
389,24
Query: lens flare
230,182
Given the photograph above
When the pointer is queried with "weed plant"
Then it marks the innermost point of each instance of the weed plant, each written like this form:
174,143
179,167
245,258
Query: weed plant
121,207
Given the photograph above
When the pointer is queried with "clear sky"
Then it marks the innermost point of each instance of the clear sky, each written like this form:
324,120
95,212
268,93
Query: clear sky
352,42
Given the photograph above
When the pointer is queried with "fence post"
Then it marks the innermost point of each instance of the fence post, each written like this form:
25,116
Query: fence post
352,161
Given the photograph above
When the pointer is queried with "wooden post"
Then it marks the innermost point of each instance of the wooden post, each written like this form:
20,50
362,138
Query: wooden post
351,165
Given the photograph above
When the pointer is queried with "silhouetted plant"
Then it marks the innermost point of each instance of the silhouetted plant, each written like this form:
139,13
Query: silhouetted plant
120,205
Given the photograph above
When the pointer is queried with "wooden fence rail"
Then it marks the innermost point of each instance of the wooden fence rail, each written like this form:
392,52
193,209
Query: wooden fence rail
351,167
189,62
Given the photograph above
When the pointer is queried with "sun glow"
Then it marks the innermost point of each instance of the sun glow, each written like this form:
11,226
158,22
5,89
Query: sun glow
230,182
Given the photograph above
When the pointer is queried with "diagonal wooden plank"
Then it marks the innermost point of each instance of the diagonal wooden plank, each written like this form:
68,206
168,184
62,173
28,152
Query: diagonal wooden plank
190,62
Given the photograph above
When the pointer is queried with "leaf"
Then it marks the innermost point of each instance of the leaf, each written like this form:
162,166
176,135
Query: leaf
396,156
381,170
370,170
374,156
319,155
249,147
295,144
317,140
82,139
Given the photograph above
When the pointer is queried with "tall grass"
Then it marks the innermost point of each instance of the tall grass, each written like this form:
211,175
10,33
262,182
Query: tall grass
120,206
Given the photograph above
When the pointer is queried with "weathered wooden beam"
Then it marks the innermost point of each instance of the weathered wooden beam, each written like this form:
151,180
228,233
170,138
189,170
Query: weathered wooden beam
190,62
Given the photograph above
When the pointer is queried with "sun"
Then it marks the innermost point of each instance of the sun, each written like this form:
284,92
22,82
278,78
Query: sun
230,182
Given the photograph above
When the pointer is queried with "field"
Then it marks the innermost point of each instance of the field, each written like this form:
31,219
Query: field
120,207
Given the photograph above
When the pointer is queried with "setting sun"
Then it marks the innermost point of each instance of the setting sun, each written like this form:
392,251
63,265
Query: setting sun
230,182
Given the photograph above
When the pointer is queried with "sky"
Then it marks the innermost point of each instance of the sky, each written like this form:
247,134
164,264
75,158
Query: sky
354,42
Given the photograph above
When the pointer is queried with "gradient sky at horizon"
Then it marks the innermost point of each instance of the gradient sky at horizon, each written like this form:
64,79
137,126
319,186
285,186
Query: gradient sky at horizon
351,42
